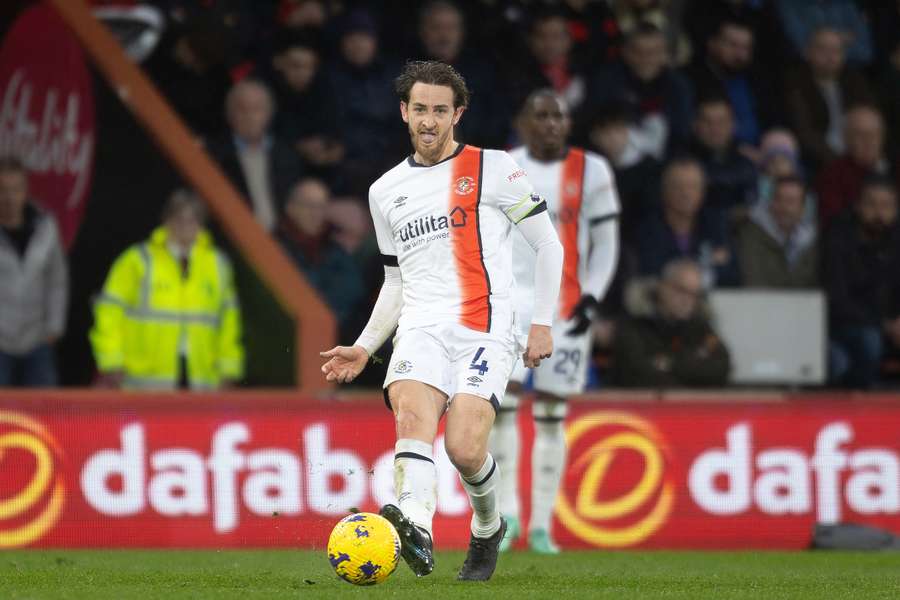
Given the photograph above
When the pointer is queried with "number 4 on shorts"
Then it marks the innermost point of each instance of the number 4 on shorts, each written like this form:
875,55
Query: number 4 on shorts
482,367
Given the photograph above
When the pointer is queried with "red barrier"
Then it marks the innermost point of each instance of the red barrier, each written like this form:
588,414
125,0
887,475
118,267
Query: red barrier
82,470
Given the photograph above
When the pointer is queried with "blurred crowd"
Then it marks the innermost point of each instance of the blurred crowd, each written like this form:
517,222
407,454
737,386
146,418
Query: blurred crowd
754,142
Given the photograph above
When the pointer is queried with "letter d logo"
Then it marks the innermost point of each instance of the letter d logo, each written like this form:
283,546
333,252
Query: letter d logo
29,468
616,491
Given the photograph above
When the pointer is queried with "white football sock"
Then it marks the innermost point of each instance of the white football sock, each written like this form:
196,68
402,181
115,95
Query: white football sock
482,490
415,481
548,460
504,445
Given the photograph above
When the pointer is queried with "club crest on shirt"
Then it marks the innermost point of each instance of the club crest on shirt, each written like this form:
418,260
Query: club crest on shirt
404,366
465,185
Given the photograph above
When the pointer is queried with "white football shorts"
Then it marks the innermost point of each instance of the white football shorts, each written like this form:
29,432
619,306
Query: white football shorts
564,373
455,360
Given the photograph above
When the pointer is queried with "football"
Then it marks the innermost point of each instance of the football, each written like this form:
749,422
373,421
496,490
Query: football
364,549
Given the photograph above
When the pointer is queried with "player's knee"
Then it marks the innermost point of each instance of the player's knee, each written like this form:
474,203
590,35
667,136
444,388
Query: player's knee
410,424
465,456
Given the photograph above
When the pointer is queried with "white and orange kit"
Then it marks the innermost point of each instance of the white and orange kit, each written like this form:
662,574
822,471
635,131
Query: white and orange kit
581,198
447,227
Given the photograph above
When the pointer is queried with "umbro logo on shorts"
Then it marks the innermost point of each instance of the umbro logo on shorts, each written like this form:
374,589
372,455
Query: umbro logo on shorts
474,380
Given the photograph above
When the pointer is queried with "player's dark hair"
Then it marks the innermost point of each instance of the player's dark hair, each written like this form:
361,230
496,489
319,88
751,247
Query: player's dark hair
536,95
12,164
432,72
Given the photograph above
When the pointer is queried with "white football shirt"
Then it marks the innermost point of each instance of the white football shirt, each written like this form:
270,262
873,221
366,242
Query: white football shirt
447,226
580,192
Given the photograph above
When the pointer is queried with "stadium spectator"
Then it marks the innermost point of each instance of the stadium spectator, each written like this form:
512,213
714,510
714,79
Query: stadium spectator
637,175
305,117
840,181
305,233
775,247
667,340
779,157
363,95
884,21
888,82
727,70
549,61
818,93
730,176
34,290
442,35
262,166
799,18
190,67
682,230
862,279
301,14
167,317
702,18
619,18
656,98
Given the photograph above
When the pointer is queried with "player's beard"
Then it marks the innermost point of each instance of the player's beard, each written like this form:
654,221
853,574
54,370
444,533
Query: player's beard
432,152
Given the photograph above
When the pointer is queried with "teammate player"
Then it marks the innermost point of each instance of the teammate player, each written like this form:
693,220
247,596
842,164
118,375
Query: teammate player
443,219
581,199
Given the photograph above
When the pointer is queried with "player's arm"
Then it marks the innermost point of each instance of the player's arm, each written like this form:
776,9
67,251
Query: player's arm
515,196
346,362
538,231
601,212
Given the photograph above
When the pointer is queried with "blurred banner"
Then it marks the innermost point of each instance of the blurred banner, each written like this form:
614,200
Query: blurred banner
47,113
89,469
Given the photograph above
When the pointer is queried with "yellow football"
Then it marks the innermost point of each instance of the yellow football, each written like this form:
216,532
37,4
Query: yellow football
364,549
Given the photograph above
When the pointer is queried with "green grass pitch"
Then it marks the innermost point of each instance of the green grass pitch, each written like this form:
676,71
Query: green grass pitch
247,575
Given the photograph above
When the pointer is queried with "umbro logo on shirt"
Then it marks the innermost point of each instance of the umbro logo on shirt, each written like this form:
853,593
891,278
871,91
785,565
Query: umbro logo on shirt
400,201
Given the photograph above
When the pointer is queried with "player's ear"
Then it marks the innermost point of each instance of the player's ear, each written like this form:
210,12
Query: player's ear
404,111
457,114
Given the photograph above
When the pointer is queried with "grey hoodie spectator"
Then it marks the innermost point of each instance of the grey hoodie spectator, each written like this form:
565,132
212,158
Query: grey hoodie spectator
34,291
776,248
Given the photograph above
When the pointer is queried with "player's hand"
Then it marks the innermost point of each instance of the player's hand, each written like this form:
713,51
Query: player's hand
344,363
540,345
583,314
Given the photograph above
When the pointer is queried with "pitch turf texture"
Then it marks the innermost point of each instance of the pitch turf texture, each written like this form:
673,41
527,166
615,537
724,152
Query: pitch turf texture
126,575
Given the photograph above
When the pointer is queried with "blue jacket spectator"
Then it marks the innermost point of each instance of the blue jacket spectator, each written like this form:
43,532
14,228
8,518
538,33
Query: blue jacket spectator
862,279
727,69
682,230
731,178
800,18
656,98
305,116
362,86
442,35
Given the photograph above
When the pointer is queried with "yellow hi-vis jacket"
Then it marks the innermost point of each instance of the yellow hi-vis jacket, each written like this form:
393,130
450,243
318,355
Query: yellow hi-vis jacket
149,314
